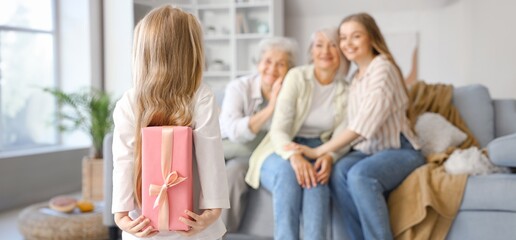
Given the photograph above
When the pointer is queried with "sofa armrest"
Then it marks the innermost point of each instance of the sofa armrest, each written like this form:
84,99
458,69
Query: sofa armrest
108,218
505,116
502,151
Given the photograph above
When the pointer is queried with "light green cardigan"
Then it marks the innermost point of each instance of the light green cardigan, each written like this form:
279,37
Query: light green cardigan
291,110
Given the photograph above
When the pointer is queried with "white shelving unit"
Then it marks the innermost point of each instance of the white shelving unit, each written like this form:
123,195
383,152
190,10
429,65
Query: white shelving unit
232,30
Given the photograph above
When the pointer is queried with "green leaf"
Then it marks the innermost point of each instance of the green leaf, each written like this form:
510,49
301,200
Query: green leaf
89,111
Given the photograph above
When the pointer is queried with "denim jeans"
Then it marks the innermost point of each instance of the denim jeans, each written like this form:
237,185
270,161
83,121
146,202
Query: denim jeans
291,201
360,182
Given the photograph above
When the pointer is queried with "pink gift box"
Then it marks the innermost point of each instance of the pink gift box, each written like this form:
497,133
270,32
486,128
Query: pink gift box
167,175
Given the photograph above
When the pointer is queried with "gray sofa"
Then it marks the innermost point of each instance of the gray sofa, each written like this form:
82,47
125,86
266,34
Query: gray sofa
488,210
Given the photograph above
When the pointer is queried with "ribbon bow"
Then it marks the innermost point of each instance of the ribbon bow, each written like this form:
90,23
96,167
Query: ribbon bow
171,180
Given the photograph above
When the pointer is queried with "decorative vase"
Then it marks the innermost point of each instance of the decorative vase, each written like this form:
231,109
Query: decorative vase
92,179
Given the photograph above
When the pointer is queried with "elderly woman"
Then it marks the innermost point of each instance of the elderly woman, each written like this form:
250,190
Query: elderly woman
245,117
310,108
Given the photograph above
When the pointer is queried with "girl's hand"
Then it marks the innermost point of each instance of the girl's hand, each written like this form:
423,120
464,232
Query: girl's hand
312,153
139,227
199,222
305,172
324,165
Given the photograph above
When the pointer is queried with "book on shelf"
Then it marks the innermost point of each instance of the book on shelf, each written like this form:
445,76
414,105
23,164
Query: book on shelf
242,26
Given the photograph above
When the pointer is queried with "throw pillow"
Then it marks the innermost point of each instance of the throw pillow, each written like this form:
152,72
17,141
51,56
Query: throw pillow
437,134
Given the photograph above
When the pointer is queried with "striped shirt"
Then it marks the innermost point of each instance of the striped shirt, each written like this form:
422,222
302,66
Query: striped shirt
377,108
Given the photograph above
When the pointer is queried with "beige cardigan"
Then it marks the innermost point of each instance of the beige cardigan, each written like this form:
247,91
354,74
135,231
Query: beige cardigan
291,111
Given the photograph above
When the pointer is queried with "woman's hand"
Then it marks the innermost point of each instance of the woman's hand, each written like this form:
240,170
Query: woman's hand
199,222
312,153
276,87
139,227
323,166
305,172
257,120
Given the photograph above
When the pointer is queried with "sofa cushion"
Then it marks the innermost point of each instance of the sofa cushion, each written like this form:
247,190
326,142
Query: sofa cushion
481,225
494,192
476,108
234,150
239,236
437,134
258,219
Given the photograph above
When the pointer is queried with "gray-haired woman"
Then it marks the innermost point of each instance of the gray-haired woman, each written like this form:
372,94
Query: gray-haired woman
246,114
310,109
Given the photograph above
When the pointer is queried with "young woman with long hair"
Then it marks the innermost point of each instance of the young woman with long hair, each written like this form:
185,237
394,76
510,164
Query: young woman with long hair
385,147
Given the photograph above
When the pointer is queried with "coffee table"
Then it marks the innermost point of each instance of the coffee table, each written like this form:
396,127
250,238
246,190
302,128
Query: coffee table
38,221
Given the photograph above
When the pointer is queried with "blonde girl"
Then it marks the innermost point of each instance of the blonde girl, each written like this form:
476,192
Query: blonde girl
168,57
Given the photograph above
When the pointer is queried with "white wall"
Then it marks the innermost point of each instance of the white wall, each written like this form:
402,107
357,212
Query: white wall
38,177
494,46
461,42
96,40
445,44
118,35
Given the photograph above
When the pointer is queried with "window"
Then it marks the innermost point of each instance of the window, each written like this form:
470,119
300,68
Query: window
27,63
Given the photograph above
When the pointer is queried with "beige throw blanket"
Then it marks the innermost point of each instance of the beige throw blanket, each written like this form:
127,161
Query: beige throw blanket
425,204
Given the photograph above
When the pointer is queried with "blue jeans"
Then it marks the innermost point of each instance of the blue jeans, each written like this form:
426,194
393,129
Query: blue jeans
360,182
290,200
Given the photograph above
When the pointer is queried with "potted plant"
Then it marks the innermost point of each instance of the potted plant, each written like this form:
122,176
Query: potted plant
91,112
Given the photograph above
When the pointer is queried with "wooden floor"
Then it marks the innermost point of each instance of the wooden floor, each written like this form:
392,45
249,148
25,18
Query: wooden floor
8,225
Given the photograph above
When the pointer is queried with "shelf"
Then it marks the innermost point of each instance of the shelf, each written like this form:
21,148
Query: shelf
243,73
184,6
232,30
217,74
157,3
217,37
251,4
213,6
252,35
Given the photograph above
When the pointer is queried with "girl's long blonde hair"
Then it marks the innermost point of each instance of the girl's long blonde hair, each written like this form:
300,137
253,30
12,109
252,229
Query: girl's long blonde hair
167,61
379,47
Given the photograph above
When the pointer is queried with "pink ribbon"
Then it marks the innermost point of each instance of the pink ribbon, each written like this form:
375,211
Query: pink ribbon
170,179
